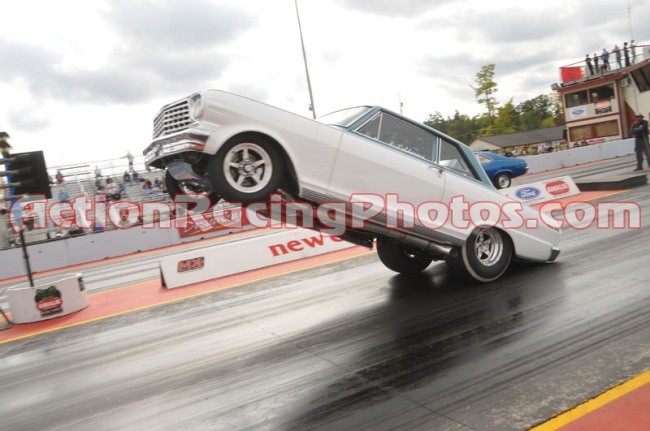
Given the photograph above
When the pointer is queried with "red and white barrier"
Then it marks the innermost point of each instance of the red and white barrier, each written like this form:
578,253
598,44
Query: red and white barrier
239,256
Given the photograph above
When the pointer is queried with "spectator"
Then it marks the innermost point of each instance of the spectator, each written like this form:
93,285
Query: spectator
640,131
130,158
605,57
633,51
98,172
112,190
122,188
596,68
5,147
617,52
589,66
157,183
59,177
147,187
127,177
63,196
626,54
29,217
136,178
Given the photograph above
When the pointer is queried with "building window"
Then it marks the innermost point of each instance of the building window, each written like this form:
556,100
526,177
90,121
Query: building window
580,132
576,99
608,128
596,130
604,92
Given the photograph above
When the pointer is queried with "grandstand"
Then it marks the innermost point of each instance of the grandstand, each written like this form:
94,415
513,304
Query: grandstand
81,180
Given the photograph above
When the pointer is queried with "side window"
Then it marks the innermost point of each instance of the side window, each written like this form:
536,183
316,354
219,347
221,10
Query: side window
402,135
371,128
483,159
452,158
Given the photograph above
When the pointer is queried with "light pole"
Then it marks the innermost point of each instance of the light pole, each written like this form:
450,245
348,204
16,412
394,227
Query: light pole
312,108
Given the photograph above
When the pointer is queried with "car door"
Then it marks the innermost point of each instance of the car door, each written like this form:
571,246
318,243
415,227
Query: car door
391,162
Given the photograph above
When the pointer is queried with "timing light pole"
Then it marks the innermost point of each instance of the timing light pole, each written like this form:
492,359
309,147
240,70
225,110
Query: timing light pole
312,108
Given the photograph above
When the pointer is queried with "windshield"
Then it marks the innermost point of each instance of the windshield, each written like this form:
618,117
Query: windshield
344,117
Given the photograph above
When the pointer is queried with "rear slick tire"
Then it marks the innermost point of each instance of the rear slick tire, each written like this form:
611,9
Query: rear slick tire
484,257
399,260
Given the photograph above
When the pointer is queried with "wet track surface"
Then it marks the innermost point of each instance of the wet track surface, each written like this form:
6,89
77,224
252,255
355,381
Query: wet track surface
351,346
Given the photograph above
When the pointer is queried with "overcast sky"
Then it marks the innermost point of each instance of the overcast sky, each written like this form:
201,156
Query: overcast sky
83,79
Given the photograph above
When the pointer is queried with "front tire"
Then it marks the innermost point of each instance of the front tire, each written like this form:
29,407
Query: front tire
400,260
484,257
246,170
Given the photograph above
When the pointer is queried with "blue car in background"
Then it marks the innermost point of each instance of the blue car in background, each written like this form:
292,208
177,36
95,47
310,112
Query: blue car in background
500,169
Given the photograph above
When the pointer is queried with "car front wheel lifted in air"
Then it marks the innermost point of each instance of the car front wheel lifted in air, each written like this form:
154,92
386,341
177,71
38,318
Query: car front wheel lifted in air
246,169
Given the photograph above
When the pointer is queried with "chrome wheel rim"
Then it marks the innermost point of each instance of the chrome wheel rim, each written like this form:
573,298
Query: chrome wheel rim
248,167
488,247
504,181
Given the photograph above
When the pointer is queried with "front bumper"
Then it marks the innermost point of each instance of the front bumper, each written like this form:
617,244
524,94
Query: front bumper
164,149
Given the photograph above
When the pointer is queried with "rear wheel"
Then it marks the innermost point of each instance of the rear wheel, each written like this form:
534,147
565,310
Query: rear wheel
484,257
400,260
503,180
246,170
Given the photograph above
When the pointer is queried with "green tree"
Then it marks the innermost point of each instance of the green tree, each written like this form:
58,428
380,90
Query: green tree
505,121
460,126
534,112
486,89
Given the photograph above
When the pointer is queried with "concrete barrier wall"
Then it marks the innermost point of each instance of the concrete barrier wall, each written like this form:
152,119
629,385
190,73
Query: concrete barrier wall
235,257
89,248
580,155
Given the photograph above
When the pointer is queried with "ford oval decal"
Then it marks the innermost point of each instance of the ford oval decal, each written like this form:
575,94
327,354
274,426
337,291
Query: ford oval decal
578,111
527,193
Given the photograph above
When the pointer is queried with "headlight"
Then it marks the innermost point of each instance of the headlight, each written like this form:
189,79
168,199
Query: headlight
196,106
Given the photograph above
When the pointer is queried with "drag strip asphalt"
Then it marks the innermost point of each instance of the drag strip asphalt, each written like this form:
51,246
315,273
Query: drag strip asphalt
351,345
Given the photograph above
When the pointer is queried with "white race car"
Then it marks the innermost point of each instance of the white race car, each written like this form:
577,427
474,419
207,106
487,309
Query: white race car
418,194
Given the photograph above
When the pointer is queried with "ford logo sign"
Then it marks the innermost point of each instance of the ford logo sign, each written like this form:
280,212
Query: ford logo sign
527,193
578,111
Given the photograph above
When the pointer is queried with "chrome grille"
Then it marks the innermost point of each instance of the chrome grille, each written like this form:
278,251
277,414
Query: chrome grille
173,118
